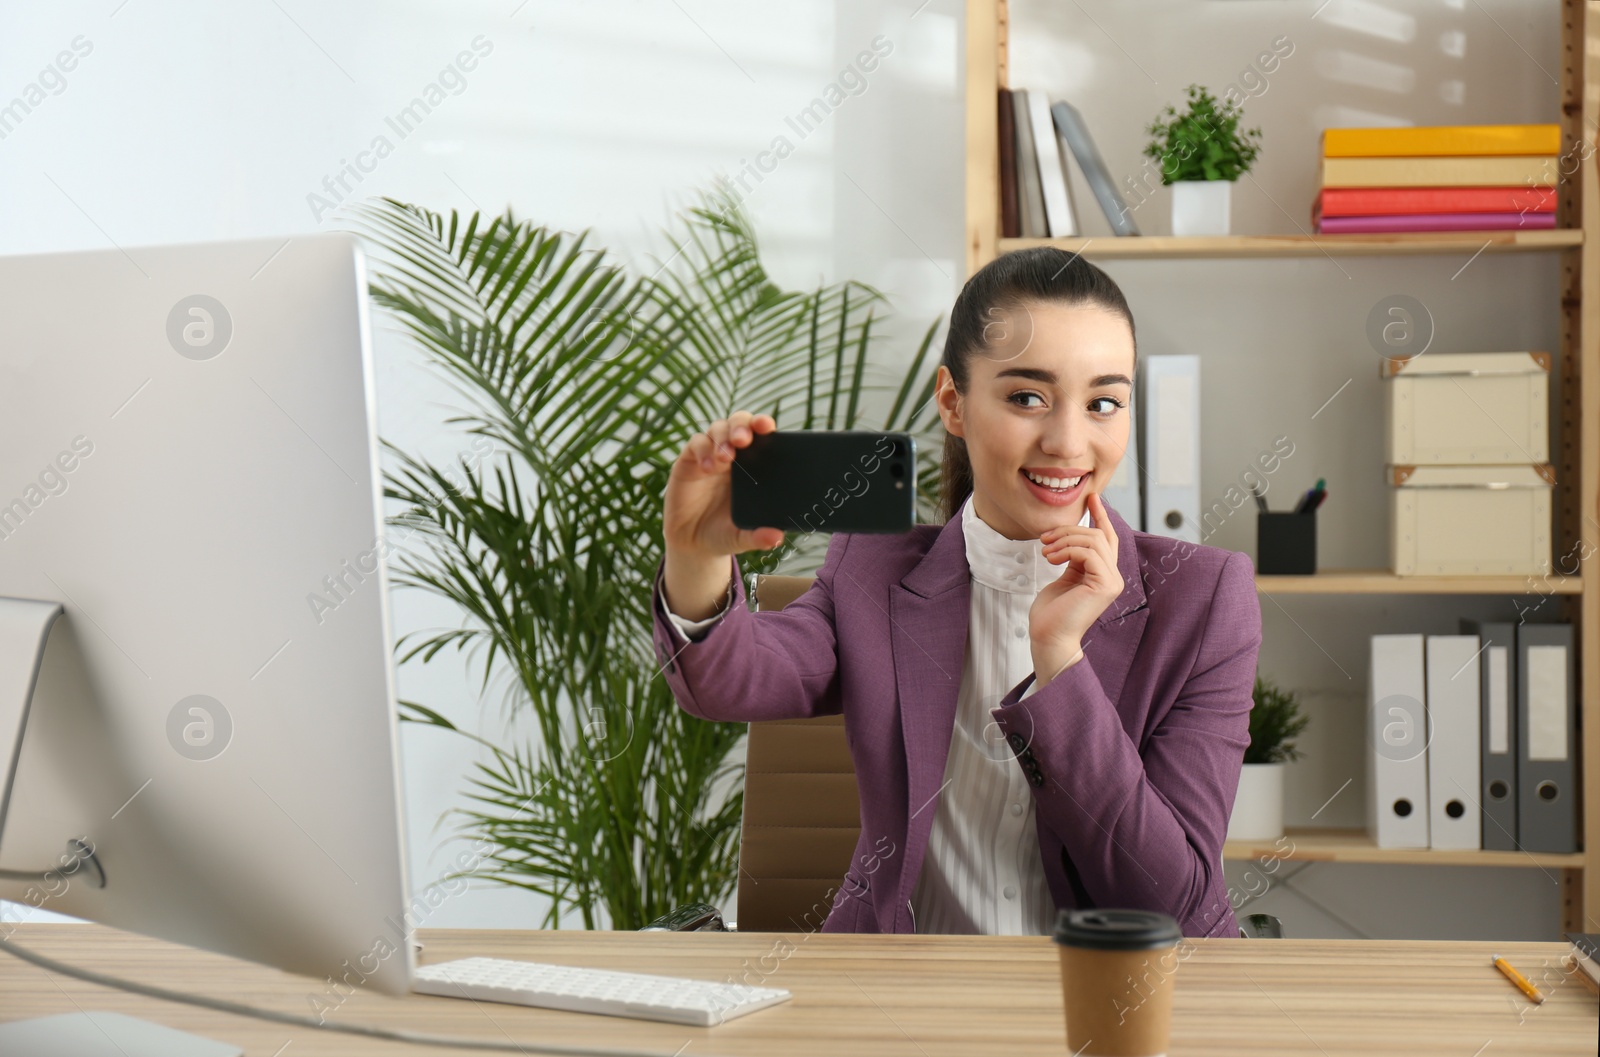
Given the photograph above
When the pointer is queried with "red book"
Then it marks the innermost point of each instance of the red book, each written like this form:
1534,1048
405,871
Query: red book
1378,201
1437,222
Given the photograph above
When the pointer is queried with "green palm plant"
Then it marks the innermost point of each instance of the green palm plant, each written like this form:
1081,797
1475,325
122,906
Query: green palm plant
586,382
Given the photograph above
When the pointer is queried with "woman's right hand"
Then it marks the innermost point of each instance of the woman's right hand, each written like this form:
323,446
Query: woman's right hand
697,519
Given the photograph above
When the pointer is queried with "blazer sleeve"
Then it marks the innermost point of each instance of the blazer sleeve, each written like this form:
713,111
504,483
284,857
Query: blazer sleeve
695,630
1147,831
749,667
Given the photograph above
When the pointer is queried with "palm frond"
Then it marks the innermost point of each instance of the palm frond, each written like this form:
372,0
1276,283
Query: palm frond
584,383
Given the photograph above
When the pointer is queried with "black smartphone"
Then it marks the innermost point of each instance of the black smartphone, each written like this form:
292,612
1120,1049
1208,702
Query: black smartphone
826,481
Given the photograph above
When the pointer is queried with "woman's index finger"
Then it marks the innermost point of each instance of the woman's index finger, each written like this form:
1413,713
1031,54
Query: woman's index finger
1103,521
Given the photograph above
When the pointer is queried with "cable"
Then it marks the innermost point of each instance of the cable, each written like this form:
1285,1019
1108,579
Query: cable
23,875
222,1005
79,853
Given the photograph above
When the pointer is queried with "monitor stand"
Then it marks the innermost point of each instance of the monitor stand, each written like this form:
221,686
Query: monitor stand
25,625
99,1033
24,629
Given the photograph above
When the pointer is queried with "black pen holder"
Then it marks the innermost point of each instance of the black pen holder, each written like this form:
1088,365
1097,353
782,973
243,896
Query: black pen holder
1286,543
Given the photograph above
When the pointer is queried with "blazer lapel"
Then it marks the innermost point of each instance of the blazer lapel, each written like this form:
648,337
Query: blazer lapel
929,610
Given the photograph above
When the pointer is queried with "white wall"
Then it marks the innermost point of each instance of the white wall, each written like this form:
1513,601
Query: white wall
196,121
193,121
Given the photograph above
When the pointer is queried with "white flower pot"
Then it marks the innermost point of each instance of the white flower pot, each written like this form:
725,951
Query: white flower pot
1258,806
1200,207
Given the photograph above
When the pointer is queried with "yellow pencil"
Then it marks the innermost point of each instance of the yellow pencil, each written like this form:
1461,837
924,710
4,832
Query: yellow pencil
1517,978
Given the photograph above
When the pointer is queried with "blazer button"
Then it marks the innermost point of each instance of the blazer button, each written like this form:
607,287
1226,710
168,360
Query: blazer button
1016,741
1036,777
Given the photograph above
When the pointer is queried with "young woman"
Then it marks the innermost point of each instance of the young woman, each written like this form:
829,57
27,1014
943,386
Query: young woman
1046,708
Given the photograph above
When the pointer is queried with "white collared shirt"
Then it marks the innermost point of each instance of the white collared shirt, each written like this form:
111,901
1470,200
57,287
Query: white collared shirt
982,872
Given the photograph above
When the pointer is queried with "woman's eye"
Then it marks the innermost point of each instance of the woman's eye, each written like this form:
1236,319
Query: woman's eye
1116,405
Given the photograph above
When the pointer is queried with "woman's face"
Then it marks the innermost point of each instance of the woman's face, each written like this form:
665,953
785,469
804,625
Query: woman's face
1049,394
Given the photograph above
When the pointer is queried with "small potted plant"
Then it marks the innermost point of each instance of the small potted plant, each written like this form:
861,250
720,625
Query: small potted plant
1201,153
1274,722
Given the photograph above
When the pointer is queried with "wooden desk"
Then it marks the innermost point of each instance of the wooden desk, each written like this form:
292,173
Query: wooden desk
887,996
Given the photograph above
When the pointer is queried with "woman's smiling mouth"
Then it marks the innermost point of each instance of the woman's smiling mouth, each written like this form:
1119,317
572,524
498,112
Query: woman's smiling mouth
1041,485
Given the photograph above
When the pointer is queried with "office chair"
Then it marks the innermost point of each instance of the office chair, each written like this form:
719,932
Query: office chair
802,814
802,817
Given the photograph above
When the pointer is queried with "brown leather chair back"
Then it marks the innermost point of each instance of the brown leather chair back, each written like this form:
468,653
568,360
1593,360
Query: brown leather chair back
802,814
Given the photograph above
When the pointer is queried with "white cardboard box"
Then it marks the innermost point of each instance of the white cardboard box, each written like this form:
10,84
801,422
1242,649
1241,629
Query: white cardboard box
1467,408
1467,520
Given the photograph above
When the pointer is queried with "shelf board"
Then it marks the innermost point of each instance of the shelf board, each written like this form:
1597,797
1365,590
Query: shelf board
1354,845
1467,243
1384,582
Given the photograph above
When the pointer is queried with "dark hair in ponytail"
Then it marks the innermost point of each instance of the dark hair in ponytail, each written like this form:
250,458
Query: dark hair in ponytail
1039,274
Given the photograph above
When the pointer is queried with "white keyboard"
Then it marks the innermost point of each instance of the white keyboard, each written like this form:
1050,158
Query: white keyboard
617,994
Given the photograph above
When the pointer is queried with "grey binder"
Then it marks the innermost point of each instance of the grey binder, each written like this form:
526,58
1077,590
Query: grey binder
1547,816
1497,680
1071,128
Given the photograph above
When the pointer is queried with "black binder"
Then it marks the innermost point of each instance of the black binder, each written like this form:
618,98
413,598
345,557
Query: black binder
1497,680
1547,729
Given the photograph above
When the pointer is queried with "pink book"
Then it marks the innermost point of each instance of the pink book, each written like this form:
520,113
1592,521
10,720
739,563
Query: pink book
1436,222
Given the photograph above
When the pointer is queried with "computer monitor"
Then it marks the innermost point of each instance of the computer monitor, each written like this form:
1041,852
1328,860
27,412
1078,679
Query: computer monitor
196,674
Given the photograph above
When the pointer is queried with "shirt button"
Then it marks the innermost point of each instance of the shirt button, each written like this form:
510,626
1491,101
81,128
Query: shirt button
1022,631
1020,559
1016,809
1011,892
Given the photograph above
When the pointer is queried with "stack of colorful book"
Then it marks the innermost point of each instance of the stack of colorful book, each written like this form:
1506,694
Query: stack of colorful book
1441,178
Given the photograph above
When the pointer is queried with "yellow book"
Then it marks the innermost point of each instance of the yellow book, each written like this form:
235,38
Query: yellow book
1439,140
1508,171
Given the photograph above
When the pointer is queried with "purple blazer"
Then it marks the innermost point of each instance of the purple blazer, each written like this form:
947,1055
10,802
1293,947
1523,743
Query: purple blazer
1133,753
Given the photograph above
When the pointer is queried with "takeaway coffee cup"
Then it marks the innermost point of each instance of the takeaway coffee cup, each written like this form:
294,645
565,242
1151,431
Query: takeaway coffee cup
1117,979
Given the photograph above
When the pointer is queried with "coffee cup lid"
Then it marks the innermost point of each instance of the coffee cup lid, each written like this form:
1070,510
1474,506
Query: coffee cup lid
1116,930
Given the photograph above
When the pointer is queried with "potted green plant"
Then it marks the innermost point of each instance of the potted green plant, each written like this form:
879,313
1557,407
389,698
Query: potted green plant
1201,152
580,380
1274,722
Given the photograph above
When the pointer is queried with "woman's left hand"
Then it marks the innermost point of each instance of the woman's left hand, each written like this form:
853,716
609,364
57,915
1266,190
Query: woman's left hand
1068,606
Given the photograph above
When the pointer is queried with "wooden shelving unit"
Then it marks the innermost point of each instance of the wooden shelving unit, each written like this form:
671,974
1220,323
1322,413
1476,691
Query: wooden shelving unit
1353,845
1384,582
1576,459
1466,243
